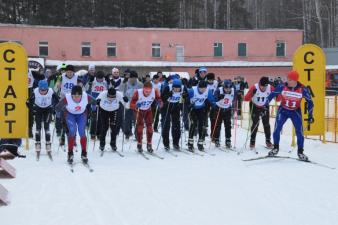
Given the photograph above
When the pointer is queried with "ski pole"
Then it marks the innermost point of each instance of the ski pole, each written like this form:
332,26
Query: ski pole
182,125
124,113
249,127
215,124
97,119
165,120
135,129
235,136
235,124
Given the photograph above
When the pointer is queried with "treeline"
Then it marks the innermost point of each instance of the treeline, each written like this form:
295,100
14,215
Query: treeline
316,17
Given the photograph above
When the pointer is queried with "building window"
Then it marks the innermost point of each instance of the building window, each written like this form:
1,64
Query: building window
242,49
111,49
85,48
280,49
218,49
43,48
156,50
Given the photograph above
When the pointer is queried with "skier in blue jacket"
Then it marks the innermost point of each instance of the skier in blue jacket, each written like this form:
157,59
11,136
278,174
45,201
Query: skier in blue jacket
292,92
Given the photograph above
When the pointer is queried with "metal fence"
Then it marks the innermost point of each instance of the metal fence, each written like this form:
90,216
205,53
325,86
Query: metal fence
331,119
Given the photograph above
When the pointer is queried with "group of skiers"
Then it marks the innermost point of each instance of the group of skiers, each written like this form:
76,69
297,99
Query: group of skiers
102,102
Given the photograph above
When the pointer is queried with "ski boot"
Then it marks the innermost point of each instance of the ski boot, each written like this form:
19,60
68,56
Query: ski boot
176,147
302,156
70,157
62,141
252,145
228,144
269,144
200,146
48,146
139,148
217,144
166,148
84,157
101,148
38,150
113,147
49,151
274,151
191,146
149,148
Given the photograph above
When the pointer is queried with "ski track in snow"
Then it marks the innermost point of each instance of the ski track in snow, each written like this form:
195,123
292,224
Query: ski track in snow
183,190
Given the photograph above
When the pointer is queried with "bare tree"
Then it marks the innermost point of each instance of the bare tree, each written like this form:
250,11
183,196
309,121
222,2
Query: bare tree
215,14
228,14
320,21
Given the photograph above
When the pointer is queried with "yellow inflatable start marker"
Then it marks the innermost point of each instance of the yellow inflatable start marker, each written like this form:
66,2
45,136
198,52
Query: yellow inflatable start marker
13,91
309,61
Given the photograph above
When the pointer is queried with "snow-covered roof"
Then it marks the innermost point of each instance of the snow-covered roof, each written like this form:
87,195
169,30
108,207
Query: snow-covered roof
170,63
149,28
331,67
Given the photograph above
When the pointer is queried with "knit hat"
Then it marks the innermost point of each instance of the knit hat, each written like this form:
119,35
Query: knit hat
177,83
70,67
210,76
111,92
100,74
77,90
293,75
264,81
202,69
43,85
227,83
91,67
133,74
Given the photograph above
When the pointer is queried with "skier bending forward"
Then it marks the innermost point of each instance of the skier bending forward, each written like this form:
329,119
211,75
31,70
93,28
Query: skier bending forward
292,93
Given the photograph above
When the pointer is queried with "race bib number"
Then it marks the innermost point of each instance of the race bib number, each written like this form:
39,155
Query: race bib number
68,85
98,88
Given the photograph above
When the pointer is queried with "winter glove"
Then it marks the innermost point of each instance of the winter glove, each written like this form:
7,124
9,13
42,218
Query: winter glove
170,94
28,104
310,120
125,99
50,109
220,97
158,104
185,95
138,105
266,106
98,101
263,112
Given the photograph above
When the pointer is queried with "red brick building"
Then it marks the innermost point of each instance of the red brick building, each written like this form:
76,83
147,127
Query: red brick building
228,53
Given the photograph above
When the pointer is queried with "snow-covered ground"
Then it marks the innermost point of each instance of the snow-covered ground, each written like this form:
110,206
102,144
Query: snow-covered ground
183,190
